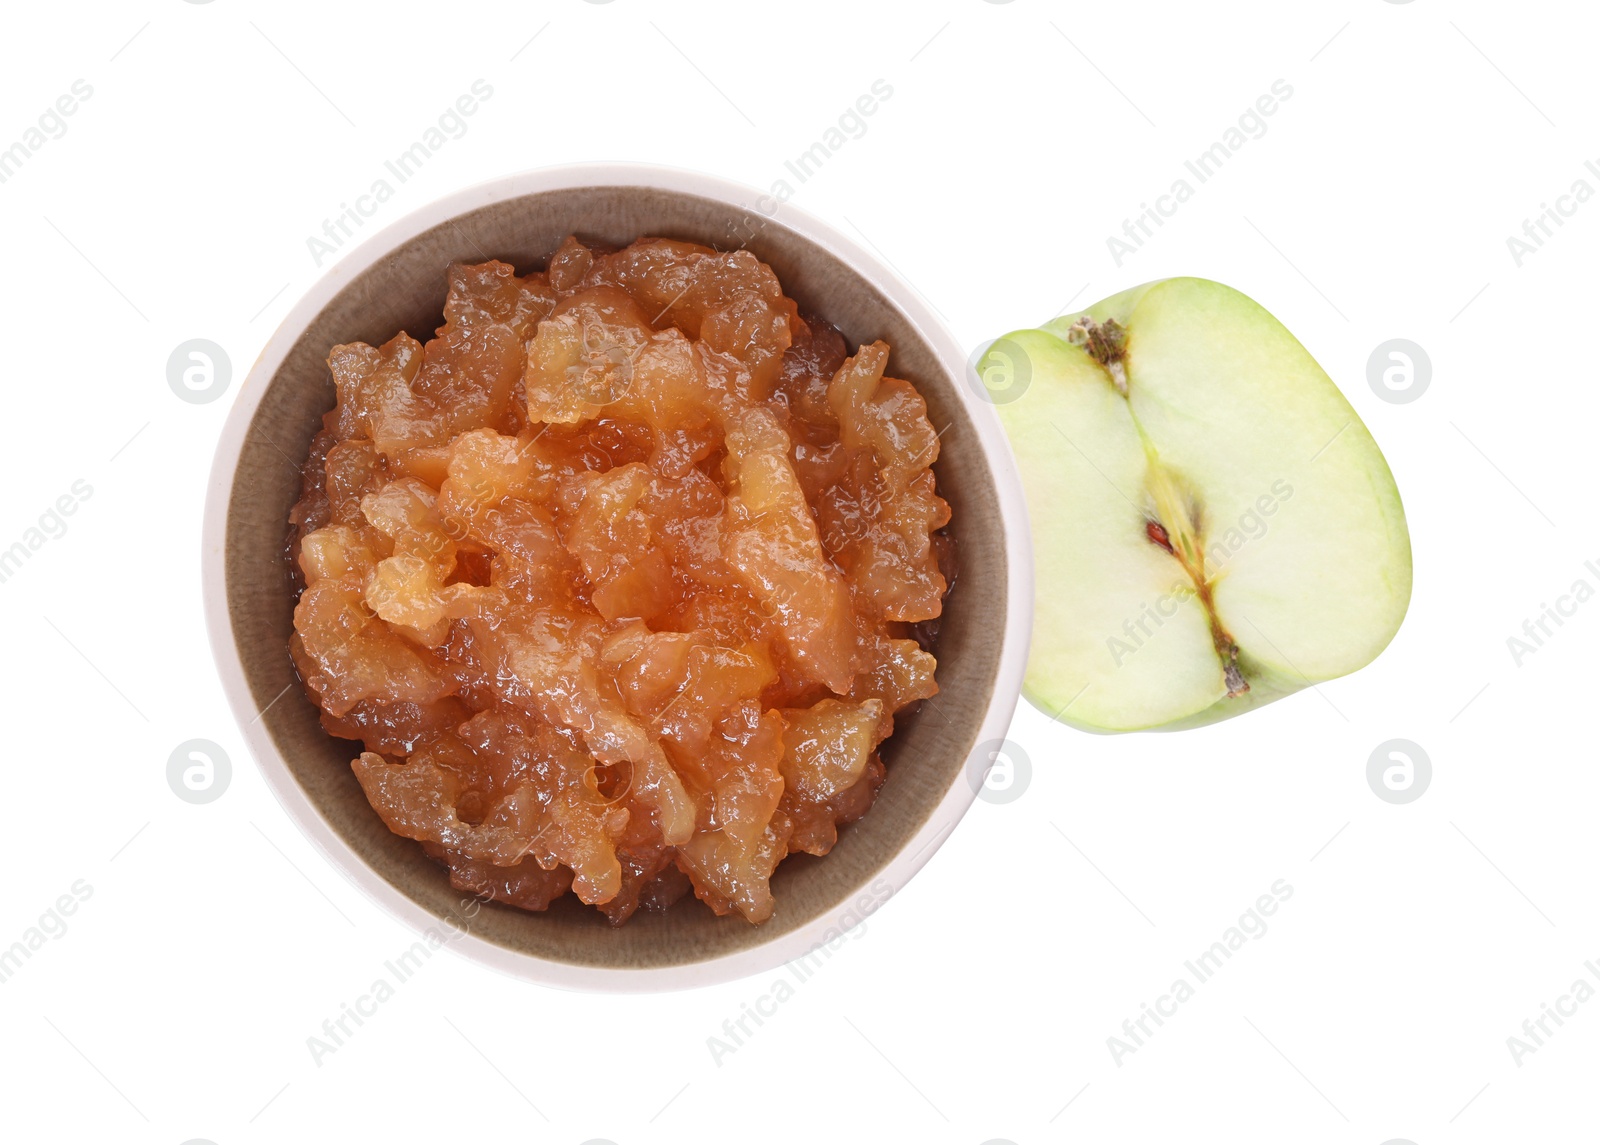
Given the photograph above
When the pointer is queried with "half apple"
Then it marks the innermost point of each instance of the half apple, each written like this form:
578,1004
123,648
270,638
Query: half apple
1214,528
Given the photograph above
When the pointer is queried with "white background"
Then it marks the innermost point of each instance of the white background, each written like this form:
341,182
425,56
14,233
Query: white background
976,1005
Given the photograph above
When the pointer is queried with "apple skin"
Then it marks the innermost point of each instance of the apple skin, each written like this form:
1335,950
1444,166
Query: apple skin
1212,432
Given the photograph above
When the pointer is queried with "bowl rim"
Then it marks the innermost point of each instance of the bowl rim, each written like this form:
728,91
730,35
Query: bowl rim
309,819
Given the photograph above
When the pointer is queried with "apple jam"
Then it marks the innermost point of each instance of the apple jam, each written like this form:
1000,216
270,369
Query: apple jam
620,579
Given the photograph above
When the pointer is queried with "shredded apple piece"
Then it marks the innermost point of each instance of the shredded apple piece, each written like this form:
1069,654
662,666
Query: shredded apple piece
620,579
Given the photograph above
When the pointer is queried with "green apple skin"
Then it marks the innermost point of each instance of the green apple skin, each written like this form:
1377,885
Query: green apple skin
1231,438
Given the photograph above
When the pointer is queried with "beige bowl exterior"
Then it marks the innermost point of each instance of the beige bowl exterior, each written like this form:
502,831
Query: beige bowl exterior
396,280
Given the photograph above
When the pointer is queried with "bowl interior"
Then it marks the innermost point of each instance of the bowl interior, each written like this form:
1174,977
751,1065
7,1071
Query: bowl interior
406,290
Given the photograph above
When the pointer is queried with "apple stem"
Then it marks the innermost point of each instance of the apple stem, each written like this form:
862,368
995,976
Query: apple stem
1107,343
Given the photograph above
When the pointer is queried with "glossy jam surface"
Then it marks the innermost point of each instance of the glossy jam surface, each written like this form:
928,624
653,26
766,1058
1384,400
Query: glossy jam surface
620,579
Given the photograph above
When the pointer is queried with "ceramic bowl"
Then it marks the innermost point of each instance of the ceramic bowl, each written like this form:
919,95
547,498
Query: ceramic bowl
396,280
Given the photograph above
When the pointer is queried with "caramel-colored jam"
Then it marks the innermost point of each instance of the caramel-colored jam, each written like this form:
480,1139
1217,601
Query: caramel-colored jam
620,579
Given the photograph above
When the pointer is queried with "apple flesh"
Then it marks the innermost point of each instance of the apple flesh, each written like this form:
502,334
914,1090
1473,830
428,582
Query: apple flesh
1214,528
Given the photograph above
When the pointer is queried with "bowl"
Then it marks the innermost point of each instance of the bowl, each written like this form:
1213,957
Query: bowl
937,757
